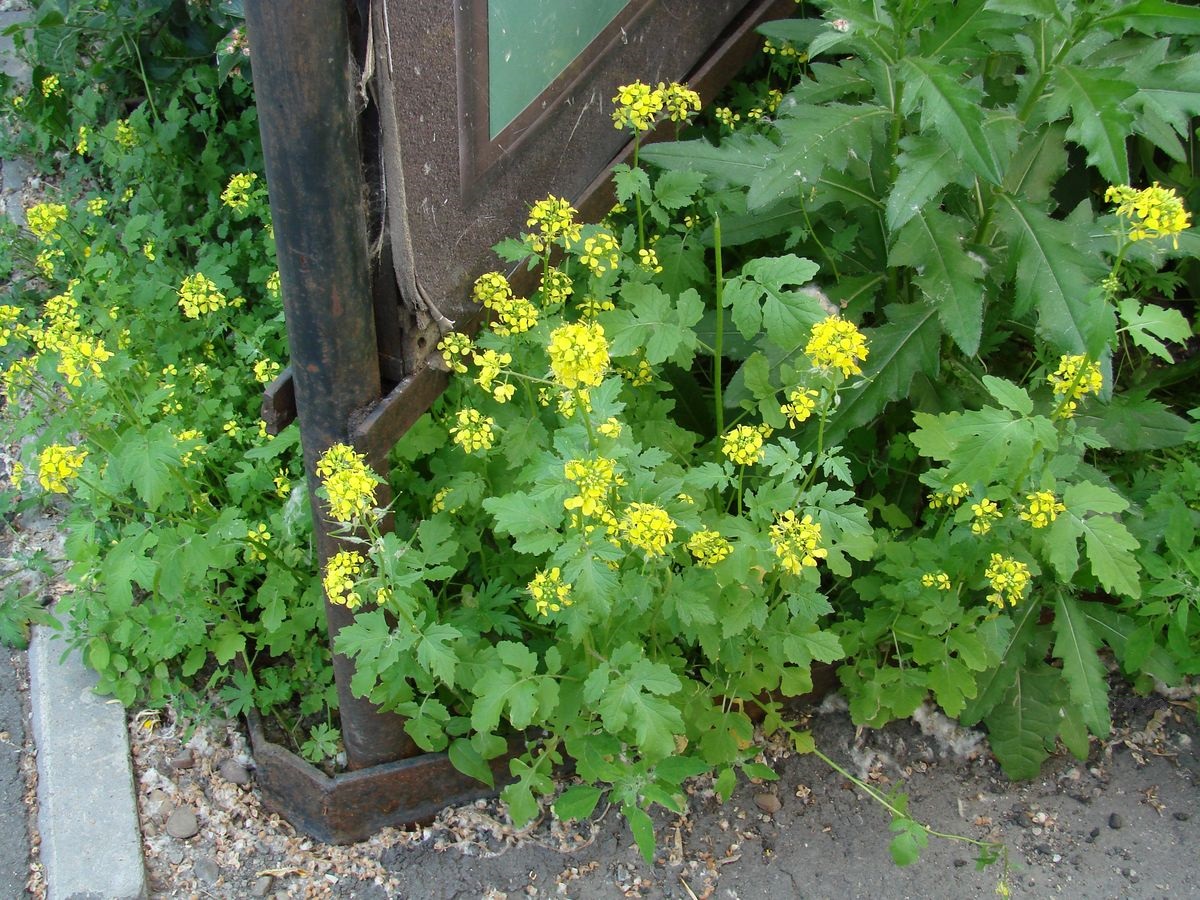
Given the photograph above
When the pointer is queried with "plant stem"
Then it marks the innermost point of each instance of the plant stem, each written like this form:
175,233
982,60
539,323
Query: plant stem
719,340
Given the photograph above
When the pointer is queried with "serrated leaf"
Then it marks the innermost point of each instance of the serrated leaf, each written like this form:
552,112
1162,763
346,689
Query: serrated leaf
1056,278
1078,649
949,277
924,167
1110,549
1088,497
1013,650
952,683
952,108
1022,728
908,843
1169,94
1009,395
630,183
433,654
1150,325
1154,17
738,160
643,830
1132,422
532,522
676,189
654,324
1099,120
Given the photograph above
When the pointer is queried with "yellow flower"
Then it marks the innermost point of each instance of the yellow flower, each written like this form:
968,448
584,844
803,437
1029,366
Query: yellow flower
194,438
273,285
474,431
81,139
16,474
125,135
708,547
637,106
983,513
198,296
257,537
549,592
265,371
148,250
455,346
648,260
596,481
940,580
1043,509
239,192
43,220
611,428
1008,577
774,98
10,326
341,577
800,405
601,252
556,287
283,484
743,444
797,542
679,101
726,116
490,289
1074,379
349,483
1152,212
80,354
950,498
578,354
50,85
648,527
57,465
96,206
837,344
554,219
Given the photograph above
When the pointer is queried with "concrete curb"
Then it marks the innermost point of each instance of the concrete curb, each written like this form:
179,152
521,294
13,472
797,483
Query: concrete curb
87,809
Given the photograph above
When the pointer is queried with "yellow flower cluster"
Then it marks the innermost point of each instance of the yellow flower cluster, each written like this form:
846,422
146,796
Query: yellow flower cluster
837,344
125,135
273,284
743,444
266,370
940,580
726,116
648,527
1152,212
1074,379
514,315
81,139
341,577
10,326
648,260
556,287
257,537
283,484
51,86
637,106
96,206
549,592
591,306
1008,577
610,427
679,101
348,481
950,498
800,405
785,49
455,347
797,542
57,465
240,190
983,514
193,437
601,252
1043,509
43,220
708,547
595,480
16,474
578,354
79,354
198,296
474,431
554,219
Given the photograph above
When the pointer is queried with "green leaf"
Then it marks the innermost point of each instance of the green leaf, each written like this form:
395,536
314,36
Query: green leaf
577,802
1009,395
1099,120
532,522
677,189
522,806
1169,94
630,183
909,841
737,161
952,683
433,654
724,784
949,277
653,324
925,166
642,828
1013,650
1022,728
465,758
1078,649
146,460
1154,17
952,109
760,300
1110,549
1132,422
910,342
1117,630
1150,325
1054,276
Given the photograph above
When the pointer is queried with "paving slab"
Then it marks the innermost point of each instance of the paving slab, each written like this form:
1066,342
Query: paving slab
91,840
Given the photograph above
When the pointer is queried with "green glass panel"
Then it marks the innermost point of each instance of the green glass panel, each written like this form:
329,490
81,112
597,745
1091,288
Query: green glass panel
530,42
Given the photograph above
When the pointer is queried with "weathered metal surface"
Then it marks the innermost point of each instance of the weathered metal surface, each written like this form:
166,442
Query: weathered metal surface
305,82
350,807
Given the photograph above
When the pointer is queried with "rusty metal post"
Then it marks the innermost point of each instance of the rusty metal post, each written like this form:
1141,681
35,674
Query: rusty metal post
305,85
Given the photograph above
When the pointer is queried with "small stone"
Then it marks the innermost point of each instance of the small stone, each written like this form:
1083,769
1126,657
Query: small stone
768,803
206,869
262,886
182,824
1182,816
959,863
174,855
1115,821
184,759
234,772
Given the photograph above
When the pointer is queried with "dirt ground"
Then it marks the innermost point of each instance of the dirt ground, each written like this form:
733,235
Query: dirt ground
1119,825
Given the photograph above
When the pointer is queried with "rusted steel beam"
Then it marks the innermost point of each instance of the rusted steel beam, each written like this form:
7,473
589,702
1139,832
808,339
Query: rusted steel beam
306,88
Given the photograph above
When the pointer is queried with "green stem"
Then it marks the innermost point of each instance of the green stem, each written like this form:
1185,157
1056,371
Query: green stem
719,340
637,197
